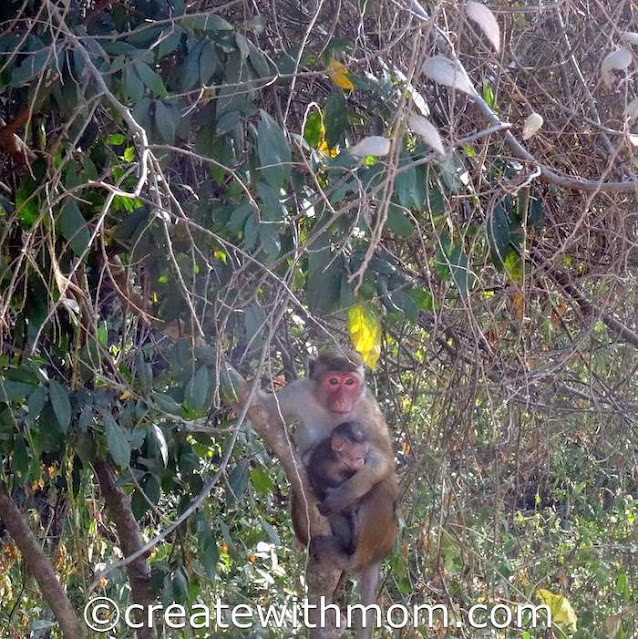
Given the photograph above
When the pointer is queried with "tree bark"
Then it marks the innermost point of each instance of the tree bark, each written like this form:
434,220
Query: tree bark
322,578
130,538
40,567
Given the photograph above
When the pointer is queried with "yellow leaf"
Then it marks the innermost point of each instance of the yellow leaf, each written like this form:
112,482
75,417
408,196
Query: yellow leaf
561,609
365,333
324,148
339,75
518,303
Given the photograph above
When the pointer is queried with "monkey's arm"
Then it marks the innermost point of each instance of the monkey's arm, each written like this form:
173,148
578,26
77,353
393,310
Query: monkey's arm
286,405
378,466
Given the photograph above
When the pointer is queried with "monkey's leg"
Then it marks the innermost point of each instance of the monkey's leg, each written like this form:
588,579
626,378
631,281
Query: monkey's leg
329,548
342,530
368,585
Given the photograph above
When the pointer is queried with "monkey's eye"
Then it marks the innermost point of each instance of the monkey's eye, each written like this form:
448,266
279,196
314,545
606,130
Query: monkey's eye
349,381
333,381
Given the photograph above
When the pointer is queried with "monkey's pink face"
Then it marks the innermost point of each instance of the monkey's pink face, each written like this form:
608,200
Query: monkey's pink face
341,391
352,455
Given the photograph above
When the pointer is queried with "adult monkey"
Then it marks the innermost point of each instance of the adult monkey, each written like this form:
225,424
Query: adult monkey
333,392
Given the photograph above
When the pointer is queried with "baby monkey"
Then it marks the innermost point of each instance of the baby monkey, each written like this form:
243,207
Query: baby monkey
332,462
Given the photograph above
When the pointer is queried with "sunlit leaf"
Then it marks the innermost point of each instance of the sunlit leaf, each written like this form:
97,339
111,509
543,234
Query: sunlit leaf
427,131
533,122
444,71
339,75
562,611
364,329
485,19
614,61
372,145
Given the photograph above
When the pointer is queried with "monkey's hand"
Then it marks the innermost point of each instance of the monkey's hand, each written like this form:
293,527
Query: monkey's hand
334,503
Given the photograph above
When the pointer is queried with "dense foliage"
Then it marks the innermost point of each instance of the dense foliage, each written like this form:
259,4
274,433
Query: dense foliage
247,181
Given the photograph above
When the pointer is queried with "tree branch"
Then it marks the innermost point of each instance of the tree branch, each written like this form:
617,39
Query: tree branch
586,306
40,567
322,579
130,538
549,175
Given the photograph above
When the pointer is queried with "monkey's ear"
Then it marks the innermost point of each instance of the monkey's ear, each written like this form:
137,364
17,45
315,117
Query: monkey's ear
337,443
311,368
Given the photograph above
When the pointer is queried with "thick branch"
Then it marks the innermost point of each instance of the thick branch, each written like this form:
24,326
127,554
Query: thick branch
130,538
322,579
40,567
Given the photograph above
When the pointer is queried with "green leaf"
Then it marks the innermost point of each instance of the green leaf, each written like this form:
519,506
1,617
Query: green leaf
403,300
238,481
36,402
180,586
116,139
239,216
271,533
60,400
261,481
273,150
144,373
459,269
199,390
151,79
132,85
166,120
258,61
31,66
142,113
335,118
12,391
398,222
209,22
209,63
272,209
73,227
498,235
423,299
488,94
20,457
324,276
514,266
169,42
231,384
409,189
167,404
189,72
536,213
251,231
208,550
116,441
312,129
